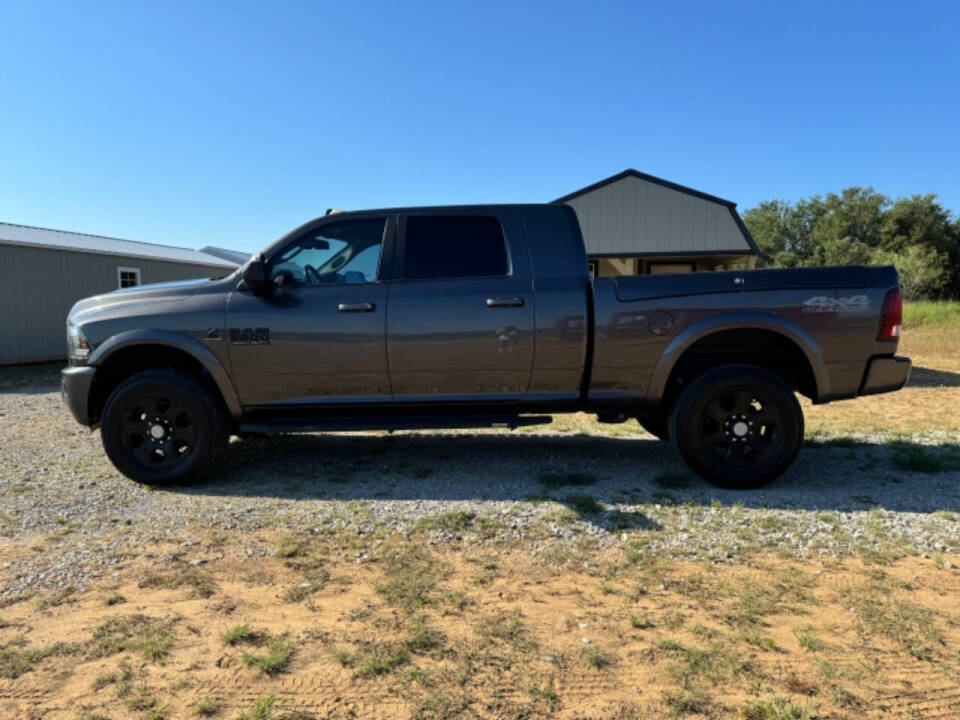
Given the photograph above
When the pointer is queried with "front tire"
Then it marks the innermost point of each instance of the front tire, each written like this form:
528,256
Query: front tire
162,426
737,426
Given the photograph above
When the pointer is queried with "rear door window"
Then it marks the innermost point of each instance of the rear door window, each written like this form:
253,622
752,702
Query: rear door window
454,246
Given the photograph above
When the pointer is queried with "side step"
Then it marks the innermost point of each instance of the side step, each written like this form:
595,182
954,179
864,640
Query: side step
279,426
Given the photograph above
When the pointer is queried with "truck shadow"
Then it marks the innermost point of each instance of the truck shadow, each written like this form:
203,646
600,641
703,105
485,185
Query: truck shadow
578,470
928,377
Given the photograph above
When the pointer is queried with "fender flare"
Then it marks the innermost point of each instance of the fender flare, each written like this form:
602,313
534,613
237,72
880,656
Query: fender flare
739,321
178,341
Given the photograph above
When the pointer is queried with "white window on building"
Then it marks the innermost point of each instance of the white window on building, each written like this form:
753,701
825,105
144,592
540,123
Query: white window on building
128,277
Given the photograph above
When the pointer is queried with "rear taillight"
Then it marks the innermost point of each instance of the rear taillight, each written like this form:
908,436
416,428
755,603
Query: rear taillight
891,316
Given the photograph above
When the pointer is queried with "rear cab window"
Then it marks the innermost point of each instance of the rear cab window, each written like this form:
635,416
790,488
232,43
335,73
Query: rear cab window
437,247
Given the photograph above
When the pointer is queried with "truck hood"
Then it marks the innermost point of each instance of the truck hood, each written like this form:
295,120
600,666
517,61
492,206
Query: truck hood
143,299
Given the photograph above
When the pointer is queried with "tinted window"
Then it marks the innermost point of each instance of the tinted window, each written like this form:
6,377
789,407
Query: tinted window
344,252
454,246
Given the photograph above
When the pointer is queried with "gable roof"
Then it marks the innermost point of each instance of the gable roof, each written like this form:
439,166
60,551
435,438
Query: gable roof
630,172
605,245
12,234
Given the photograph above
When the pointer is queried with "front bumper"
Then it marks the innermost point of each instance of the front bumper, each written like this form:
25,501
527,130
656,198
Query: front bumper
75,385
885,374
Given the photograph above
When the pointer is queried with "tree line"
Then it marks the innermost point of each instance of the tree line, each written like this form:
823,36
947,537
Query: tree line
861,226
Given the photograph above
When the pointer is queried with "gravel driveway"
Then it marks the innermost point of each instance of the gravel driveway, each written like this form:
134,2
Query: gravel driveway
539,487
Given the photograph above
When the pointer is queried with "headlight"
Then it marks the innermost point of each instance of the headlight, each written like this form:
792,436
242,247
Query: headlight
77,346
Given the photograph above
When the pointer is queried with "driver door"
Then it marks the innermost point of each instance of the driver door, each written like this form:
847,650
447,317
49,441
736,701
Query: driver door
320,338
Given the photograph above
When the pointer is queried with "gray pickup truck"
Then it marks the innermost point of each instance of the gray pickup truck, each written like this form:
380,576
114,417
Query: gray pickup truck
474,316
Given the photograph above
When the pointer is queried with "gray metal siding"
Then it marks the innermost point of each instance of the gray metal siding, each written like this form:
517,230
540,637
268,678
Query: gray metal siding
635,216
38,286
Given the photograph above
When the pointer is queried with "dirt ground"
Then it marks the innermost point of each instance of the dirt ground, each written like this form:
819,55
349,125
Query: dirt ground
453,632
431,580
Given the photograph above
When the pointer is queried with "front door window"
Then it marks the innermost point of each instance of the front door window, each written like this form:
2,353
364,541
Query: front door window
337,253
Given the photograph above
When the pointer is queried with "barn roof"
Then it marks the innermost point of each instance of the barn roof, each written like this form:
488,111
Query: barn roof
635,214
11,234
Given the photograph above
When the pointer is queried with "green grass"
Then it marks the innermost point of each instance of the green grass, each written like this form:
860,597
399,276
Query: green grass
687,702
505,626
409,578
200,583
16,658
207,706
555,480
455,521
150,636
424,638
584,504
774,707
289,546
275,660
808,640
597,658
923,459
379,660
262,709
761,641
241,634
929,313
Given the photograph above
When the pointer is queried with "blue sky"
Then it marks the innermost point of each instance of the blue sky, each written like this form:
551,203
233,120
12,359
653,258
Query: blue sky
230,123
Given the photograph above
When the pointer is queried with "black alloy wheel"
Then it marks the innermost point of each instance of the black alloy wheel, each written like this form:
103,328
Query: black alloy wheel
738,426
157,429
162,426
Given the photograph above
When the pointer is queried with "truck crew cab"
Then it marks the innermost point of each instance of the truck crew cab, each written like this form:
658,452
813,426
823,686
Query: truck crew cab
473,316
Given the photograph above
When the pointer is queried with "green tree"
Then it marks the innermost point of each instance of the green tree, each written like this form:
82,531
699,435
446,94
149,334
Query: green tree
921,221
862,226
923,271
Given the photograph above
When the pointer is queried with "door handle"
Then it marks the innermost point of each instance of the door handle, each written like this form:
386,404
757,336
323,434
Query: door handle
498,302
357,307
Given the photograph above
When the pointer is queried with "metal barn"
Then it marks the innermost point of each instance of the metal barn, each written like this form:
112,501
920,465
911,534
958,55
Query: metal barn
634,223
43,272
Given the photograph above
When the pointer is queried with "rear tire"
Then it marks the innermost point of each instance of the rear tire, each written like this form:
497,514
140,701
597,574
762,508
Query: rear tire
737,426
162,426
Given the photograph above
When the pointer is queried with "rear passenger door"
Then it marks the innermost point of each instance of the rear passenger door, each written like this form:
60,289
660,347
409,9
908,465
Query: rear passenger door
460,319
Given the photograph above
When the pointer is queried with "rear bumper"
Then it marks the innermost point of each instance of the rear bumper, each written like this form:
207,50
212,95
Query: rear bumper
75,385
885,374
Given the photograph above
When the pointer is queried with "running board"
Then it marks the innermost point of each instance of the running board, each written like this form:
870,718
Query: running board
280,426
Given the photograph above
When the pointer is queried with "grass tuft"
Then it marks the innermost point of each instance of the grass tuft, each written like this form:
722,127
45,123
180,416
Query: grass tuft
241,634
275,660
207,706
808,640
775,707
262,709
379,660
597,658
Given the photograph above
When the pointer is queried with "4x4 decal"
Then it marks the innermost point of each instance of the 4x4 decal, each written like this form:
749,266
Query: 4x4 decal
250,336
824,304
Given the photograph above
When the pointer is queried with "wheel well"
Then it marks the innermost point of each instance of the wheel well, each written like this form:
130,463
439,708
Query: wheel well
128,361
764,348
